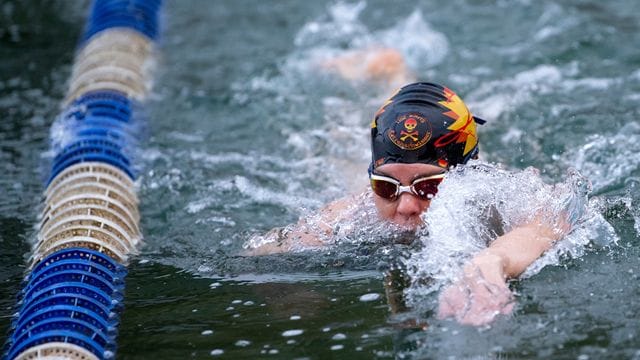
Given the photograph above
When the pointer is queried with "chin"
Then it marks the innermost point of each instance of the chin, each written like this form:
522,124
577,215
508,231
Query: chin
408,225
405,237
404,234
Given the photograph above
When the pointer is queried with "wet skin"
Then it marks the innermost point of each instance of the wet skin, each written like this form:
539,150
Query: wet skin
406,210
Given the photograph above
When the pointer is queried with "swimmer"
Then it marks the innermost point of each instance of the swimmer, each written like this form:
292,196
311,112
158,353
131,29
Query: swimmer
417,136
376,64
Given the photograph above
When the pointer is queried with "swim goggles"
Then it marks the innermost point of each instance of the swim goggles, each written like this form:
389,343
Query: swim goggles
389,188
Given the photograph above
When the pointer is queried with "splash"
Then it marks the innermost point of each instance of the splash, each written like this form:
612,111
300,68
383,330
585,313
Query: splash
609,159
495,98
612,163
357,239
342,23
422,46
479,202
339,33
358,224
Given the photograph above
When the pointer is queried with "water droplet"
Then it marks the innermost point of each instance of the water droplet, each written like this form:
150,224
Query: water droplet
294,332
369,297
243,343
339,336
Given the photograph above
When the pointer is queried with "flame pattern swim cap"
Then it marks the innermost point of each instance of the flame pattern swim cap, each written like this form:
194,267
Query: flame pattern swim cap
424,123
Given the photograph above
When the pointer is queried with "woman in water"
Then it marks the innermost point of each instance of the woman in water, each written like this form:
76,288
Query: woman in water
417,136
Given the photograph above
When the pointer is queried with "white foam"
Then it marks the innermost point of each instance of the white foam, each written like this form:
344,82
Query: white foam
475,202
494,98
263,195
608,159
342,24
590,83
553,22
61,133
421,45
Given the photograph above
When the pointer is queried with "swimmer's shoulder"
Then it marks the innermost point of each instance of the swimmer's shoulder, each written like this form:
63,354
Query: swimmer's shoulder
311,232
345,208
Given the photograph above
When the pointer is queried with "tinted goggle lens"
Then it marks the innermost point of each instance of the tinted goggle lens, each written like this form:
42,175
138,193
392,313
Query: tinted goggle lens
426,188
389,188
384,188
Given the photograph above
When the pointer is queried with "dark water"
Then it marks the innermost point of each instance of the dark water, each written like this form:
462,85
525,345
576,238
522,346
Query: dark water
244,134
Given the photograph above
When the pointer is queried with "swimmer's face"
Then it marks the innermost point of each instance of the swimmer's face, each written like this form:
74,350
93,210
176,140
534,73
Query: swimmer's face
404,211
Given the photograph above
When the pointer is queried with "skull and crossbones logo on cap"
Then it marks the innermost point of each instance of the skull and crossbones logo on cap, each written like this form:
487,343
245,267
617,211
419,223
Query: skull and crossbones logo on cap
410,131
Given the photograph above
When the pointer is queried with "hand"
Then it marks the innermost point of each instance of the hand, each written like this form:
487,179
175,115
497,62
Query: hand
474,300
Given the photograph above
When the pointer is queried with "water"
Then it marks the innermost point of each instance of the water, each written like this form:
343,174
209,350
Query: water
245,134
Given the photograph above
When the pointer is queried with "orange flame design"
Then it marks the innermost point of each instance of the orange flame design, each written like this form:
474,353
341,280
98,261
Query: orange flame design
463,129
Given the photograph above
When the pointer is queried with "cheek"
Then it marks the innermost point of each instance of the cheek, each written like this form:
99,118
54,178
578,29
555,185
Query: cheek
425,204
386,209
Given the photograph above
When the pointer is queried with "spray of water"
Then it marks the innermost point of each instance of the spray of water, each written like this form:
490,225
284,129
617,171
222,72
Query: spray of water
608,159
481,201
340,26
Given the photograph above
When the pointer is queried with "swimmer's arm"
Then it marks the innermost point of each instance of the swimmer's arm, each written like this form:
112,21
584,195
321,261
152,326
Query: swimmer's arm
510,254
300,236
483,293
287,240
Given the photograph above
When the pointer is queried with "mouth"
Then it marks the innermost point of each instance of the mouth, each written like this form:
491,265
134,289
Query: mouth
404,235
410,224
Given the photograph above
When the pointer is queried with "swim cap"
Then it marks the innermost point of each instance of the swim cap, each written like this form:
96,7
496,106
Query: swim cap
423,123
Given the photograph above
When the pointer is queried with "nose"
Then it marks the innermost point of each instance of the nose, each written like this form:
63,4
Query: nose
409,209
